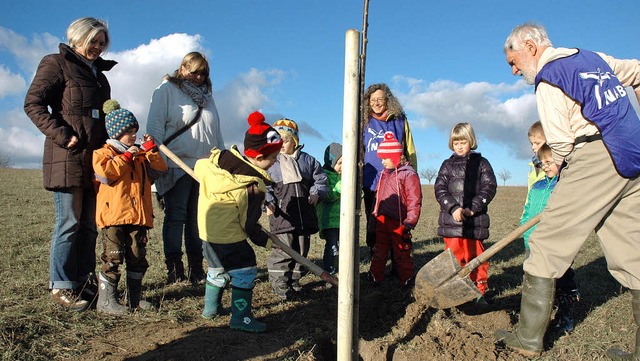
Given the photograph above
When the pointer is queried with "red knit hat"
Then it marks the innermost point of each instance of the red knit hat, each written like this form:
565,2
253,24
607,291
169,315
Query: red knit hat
260,138
390,148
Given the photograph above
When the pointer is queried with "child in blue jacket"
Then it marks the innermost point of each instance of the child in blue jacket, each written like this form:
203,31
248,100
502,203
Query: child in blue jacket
567,293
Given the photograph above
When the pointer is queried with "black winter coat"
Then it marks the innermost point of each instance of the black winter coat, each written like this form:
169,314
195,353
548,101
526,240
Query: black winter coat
465,182
291,209
66,84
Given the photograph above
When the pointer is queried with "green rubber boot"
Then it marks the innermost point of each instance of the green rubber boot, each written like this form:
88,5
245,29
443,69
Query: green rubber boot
212,301
535,314
618,354
241,317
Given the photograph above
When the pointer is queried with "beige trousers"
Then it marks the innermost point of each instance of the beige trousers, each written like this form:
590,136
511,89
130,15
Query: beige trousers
590,196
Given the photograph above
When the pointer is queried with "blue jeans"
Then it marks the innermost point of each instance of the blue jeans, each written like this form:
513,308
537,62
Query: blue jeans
180,215
332,236
73,243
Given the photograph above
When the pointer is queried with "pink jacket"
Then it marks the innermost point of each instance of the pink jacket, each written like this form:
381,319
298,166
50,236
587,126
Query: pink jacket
399,195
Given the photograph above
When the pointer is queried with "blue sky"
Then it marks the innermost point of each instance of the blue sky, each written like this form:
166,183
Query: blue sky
443,60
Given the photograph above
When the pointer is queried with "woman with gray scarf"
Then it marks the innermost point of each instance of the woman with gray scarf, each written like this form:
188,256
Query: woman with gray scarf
183,104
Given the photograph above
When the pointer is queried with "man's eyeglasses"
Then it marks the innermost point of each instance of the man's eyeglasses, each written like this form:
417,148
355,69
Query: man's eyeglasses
546,164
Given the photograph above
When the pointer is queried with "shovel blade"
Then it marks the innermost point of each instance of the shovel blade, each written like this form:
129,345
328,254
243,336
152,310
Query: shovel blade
455,292
438,284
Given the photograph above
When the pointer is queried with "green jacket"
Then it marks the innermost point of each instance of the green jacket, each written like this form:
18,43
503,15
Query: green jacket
329,208
537,199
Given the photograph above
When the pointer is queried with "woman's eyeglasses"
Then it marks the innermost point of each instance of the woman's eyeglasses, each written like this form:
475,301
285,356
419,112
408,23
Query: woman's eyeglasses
202,73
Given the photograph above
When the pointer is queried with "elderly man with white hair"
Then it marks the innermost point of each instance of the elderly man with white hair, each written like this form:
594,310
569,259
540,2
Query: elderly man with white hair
594,133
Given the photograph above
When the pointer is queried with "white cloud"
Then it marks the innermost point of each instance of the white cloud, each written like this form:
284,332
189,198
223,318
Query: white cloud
500,113
242,96
138,72
11,83
28,53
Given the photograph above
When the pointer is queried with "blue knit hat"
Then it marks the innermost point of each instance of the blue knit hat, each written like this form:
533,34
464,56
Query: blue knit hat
118,121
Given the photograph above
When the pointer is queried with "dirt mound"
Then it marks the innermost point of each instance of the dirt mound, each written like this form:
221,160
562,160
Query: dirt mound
454,334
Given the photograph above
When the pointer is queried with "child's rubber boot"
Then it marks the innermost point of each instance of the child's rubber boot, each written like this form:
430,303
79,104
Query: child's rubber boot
212,301
134,294
108,297
241,316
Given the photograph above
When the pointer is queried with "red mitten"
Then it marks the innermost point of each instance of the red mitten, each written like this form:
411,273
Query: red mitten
128,156
149,145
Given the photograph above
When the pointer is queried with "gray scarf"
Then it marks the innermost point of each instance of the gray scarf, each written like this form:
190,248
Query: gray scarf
118,145
199,94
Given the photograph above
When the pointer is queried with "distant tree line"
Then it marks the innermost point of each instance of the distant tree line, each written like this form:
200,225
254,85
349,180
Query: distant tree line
430,173
5,161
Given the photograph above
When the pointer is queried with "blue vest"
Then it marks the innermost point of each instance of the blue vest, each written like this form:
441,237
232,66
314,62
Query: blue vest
373,135
589,80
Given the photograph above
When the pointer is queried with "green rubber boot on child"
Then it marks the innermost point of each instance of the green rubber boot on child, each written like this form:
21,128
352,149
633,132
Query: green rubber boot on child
241,316
212,301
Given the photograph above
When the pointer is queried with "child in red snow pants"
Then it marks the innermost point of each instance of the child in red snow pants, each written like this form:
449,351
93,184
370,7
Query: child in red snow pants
466,249
391,233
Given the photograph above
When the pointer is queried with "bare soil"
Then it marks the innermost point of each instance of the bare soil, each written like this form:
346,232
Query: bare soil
392,326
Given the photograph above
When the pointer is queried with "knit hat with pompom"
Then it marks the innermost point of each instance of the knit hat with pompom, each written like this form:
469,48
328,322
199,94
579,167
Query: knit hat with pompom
260,138
390,148
118,121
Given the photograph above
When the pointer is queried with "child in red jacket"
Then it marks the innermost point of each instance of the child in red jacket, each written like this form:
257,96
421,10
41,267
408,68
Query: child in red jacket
396,211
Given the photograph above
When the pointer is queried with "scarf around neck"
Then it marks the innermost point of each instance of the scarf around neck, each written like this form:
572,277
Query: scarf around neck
383,117
118,145
199,94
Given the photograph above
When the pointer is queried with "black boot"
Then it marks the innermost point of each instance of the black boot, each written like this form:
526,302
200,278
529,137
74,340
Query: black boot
535,314
565,300
195,272
134,292
617,354
175,270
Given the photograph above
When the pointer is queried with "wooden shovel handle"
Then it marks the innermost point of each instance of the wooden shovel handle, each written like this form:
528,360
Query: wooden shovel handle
484,256
163,148
315,269
288,250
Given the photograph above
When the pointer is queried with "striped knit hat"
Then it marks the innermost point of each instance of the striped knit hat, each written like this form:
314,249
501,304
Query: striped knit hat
390,148
286,126
118,121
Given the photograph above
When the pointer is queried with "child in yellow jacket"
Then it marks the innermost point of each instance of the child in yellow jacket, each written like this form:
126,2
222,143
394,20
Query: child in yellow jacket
232,192
124,210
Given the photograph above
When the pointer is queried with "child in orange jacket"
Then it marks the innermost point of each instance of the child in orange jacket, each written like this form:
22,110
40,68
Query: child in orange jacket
124,211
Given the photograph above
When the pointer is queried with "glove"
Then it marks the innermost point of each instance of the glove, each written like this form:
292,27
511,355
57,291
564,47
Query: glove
128,156
313,199
408,226
149,145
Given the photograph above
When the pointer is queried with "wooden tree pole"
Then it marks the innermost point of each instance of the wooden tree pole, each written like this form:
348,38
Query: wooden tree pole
349,258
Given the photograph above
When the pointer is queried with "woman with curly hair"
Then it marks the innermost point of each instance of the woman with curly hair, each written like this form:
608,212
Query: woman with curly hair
382,113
